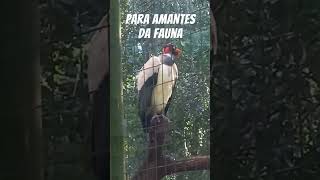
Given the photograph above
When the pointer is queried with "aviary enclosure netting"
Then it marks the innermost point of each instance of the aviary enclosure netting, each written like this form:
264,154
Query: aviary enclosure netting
266,88
188,134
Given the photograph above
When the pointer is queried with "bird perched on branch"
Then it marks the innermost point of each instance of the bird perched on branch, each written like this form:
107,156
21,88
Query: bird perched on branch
156,81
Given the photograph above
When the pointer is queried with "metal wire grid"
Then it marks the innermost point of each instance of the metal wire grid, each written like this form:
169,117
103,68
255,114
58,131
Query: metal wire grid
163,105
172,123
68,98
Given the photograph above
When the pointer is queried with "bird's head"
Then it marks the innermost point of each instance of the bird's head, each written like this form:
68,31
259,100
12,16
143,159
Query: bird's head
171,49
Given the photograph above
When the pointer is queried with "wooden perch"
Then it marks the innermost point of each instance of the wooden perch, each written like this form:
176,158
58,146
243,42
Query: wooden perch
157,165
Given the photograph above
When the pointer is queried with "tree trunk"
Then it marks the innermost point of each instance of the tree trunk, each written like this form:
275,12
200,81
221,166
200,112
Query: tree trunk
116,118
21,127
98,77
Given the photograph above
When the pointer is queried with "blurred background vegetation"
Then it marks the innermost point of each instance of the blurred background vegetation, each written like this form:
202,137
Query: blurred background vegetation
264,87
189,110
65,31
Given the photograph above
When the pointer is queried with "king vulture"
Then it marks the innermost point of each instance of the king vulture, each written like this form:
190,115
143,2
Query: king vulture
155,82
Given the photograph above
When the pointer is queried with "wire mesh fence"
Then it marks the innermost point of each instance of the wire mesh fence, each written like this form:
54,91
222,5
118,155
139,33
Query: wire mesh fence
188,110
66,104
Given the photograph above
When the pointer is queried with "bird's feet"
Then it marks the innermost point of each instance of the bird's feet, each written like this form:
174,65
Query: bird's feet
159,122
159,127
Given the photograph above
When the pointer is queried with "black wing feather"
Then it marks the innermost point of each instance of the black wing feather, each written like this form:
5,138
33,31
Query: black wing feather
169,100
145,96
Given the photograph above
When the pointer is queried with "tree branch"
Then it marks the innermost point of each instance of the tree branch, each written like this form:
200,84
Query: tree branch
157,165
193,164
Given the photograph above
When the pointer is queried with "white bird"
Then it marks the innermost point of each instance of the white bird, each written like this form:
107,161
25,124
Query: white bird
155,82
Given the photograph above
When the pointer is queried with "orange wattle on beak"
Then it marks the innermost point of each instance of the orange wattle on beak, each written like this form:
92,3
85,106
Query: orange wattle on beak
178,52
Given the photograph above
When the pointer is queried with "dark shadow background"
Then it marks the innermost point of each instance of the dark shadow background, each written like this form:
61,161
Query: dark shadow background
264,90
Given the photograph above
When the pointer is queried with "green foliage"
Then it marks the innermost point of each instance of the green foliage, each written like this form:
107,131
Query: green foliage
65,104
189,110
